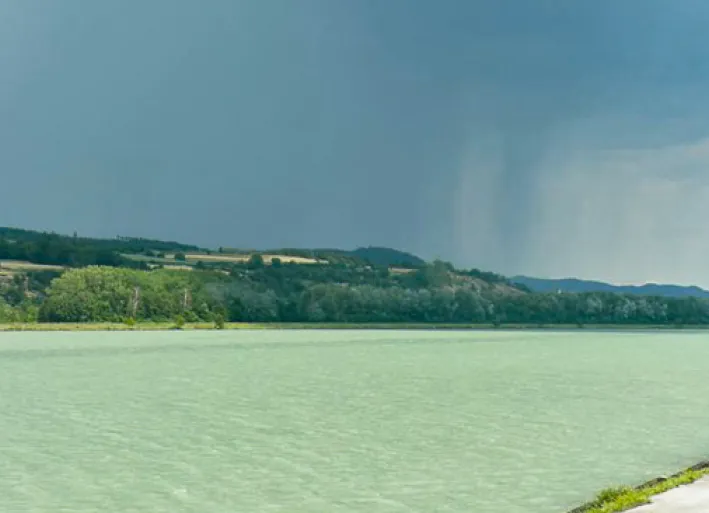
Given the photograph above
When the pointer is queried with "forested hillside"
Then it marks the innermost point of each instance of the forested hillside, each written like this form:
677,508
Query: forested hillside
319,293
388,256
129,280
75,251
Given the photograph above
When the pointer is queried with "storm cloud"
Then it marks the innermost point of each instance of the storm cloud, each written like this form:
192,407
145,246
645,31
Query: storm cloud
549,138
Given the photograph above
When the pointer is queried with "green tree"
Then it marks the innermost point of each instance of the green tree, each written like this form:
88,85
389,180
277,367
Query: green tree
256,261
91,294
8,313
179,322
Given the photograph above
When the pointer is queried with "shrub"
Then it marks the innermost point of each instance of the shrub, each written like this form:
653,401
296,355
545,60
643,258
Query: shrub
179,322
256,261
611,494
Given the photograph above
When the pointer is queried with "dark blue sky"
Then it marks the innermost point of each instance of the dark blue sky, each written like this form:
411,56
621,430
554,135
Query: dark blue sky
548,137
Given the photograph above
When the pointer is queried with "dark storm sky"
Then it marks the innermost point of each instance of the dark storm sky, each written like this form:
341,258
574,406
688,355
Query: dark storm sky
541,137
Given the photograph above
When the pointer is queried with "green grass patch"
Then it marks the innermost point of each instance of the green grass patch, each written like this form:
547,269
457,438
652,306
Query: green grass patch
123,326
153,326
623,498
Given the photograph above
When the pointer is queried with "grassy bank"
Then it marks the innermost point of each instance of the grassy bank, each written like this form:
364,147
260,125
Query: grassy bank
623,498
157,326
115,326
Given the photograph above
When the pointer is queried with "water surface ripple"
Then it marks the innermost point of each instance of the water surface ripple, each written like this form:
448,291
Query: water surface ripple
343,421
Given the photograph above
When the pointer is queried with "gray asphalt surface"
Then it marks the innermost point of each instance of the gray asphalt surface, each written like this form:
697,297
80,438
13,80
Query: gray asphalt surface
691,498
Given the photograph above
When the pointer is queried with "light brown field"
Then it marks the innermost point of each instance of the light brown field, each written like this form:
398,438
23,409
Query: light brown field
18,265
245,257
401,270
171,267
293,259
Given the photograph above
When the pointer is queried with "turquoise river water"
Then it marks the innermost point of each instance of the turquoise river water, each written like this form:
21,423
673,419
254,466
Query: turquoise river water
343,421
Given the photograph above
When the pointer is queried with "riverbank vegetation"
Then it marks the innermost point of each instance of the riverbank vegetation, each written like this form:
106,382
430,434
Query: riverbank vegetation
135,281
218,325
623,498
248,293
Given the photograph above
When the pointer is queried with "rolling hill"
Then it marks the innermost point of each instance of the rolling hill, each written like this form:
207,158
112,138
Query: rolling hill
34,247
577,285
388,256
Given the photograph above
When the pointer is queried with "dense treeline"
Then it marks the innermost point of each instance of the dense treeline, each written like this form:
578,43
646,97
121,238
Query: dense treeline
120,243
54,250
320,293
387,256
75,251
113,294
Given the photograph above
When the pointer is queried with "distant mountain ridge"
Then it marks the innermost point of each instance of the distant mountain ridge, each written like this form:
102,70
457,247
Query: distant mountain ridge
577,285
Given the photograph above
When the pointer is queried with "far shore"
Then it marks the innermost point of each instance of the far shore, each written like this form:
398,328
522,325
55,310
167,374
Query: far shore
164,326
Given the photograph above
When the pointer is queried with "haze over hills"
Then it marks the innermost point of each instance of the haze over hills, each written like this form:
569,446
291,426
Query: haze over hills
577,285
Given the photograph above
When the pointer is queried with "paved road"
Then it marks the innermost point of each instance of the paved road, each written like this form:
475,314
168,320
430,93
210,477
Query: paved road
692,498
